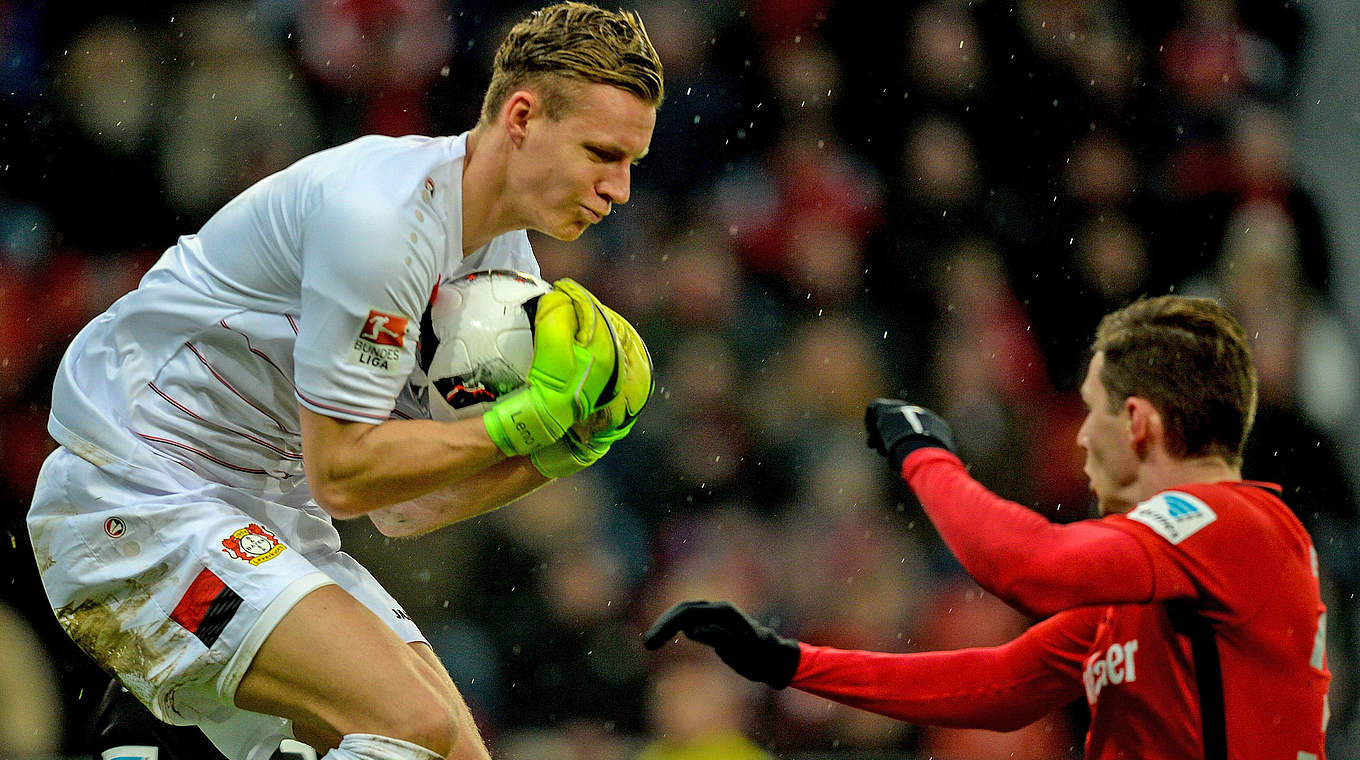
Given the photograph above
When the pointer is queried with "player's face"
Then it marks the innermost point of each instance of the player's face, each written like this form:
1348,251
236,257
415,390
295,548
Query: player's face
1111,463
574,170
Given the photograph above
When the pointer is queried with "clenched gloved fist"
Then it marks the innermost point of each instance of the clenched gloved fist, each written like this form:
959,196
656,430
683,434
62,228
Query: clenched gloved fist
590,439
897,428
575,371
753,650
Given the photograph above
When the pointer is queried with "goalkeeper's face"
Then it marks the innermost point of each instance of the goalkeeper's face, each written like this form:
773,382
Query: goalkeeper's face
1105,436
573,170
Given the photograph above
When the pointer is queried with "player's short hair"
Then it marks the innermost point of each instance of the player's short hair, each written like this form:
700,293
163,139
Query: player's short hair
562,46
1190,358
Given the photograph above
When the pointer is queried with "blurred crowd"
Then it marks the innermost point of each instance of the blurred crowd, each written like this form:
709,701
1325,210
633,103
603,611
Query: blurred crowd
934,200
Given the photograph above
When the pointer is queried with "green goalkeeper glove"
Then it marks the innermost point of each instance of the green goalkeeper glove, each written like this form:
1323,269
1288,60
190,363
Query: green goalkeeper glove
568,455
589,440
574,371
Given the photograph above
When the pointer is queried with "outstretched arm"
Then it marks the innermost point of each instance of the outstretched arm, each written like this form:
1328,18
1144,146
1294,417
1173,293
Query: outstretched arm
1034,565
999,688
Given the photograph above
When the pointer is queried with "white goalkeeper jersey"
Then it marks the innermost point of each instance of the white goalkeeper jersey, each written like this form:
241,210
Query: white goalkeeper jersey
307,288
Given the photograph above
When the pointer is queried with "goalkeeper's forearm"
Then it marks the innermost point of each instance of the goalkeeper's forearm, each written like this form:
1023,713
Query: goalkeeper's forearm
484,492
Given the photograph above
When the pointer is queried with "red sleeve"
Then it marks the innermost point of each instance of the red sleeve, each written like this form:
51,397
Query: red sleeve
999,688
1034,565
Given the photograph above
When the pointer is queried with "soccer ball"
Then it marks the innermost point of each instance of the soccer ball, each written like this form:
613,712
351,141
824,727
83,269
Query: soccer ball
479,342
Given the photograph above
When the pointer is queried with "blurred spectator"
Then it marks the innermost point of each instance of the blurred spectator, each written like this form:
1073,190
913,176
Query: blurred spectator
1112,259
700,386
849,571
1207,179
566,651
378,57
697,711
573,740
108,81
945,56
815,393
991,377
801,213
30,705
1211,59
713,98
110,85
238,115
1306,355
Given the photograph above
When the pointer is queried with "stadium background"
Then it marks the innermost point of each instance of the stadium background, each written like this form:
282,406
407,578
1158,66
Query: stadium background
843,200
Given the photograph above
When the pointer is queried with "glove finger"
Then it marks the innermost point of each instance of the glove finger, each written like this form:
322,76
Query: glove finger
713,633
635,382
614,382
555,327
874,438
597,348
873,414
638,381
585,304
672,622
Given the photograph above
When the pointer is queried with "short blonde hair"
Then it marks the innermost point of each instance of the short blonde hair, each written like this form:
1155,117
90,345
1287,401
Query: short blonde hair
570,43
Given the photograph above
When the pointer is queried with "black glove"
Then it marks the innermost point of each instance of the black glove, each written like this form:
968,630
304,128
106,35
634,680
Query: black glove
897,428
748,647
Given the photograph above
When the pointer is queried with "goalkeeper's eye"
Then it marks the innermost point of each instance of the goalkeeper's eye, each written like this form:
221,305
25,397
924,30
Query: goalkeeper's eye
606,155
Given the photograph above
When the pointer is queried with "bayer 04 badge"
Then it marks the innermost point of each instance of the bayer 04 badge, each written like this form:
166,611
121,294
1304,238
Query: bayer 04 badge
253,543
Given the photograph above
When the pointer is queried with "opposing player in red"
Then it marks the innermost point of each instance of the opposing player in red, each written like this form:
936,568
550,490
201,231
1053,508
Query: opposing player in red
1188,616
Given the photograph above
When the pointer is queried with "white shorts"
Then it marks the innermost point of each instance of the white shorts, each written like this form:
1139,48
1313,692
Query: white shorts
172,583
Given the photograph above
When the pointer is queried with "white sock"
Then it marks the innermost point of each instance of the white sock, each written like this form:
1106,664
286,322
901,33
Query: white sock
247,735
370,747
131,752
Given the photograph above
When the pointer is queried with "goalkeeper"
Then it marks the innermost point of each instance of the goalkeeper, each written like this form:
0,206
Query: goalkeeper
1188,617
258,385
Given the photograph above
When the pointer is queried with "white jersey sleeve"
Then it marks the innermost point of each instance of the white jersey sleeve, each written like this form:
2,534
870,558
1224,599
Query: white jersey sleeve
368,268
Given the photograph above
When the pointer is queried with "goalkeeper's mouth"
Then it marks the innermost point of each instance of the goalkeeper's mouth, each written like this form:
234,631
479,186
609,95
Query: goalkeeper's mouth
594,216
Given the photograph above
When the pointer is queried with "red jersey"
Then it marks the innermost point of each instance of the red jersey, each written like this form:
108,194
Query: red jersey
1126,590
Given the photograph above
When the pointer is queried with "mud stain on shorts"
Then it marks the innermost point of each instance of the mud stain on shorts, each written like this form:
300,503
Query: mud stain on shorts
107,629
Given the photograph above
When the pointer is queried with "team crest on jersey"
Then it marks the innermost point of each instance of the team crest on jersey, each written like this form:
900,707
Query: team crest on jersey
114,527
253,543
378,345
1174,515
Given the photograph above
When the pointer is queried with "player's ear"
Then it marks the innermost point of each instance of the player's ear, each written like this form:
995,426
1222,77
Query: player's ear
515,114
1145,425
